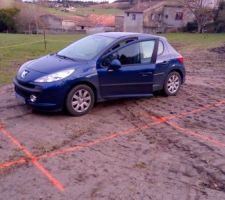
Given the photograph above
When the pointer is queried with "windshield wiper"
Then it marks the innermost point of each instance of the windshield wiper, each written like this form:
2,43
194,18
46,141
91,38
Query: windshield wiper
65,57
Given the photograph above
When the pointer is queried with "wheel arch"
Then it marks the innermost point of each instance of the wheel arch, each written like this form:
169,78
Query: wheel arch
83,82
180,73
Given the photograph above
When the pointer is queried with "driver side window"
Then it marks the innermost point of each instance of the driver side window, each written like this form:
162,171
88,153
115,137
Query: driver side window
127,55
137,53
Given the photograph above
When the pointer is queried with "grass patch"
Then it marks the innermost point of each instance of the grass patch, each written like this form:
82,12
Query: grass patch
17,48
193,41
82,11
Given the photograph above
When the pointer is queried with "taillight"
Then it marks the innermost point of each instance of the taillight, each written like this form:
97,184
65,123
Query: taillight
181,59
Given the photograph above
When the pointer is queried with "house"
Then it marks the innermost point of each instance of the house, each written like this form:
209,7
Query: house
91,23
133,20
211,3
51,23
166,17
76,24
157,17
119,23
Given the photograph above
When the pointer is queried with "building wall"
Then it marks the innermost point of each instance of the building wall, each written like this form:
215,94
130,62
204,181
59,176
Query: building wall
133,22
211,3
50,22
68,25
166,18
119,23
173,17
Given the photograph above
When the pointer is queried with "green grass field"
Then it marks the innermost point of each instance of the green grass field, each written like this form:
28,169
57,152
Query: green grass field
82,11
194,40
17,48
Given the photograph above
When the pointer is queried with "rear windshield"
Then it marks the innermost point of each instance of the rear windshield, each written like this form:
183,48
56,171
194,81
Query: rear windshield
86,48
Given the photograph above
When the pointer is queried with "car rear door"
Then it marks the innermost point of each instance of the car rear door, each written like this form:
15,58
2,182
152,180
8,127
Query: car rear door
135,77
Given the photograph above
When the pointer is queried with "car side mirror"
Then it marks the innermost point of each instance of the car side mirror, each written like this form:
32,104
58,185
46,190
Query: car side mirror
115,64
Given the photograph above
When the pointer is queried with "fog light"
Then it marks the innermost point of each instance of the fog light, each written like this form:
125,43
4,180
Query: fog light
33,98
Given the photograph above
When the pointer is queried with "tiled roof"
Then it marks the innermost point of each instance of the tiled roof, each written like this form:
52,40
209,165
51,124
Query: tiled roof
92,20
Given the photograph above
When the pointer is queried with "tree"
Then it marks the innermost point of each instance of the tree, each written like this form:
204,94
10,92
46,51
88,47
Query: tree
201,11
7,21
219,18
28,18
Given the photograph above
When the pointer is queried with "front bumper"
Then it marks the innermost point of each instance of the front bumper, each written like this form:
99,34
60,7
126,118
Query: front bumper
49,96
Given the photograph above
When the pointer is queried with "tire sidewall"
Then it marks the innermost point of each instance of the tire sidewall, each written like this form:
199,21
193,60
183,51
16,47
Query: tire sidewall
68,103
166,91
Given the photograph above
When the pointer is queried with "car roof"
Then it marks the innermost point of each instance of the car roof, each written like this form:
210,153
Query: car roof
121,35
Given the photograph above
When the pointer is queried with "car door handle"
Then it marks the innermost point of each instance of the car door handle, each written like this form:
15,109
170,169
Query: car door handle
146,73
110,70
165,62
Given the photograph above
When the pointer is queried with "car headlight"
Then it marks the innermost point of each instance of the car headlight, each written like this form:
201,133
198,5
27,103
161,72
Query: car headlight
55,76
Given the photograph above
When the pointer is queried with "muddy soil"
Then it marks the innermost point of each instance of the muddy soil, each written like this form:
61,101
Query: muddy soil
219,50
157,162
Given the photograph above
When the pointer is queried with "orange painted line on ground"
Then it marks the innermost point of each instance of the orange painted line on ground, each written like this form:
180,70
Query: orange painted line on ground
188,131
97,141
183,114
12,163
197,135
33,159
129,131
157,120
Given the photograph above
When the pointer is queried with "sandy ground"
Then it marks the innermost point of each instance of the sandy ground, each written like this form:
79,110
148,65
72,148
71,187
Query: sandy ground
120,150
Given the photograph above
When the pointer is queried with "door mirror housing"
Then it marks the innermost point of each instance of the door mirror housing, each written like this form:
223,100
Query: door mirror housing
115,64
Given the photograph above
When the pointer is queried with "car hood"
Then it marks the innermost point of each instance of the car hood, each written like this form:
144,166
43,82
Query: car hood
50,64
46,65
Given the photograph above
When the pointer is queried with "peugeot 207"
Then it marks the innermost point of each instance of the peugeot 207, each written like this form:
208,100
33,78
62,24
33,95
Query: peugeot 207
100,67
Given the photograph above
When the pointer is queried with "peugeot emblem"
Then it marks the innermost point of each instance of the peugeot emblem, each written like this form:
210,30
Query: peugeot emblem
24,73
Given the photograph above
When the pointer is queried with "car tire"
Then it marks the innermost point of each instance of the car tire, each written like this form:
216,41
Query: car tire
80,100
172,84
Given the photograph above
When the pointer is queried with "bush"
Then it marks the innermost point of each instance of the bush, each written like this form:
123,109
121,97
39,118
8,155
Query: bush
191,27
7,22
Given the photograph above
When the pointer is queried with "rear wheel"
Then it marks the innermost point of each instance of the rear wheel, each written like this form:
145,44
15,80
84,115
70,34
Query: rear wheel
172,84
80,100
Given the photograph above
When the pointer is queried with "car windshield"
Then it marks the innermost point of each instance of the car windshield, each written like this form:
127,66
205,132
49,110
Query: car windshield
86,48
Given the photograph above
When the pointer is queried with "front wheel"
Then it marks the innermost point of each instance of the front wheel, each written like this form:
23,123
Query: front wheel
172,84
80,100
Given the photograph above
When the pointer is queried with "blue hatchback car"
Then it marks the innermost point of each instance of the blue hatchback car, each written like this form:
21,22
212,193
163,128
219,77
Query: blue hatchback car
100,67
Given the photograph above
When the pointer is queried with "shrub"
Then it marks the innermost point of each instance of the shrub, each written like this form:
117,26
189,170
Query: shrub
7,22
191,27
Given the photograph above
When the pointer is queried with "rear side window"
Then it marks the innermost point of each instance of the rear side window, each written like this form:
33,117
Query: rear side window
160,48
147,49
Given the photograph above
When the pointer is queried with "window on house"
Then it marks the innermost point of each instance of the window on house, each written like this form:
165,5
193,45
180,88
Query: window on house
127,14
166,16
133,17
82,27
153,16
160,17
179,16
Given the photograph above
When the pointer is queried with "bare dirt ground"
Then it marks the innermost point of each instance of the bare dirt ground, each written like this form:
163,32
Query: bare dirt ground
122,149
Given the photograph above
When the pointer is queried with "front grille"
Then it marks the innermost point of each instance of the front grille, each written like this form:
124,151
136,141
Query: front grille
26,89
22,92
28,85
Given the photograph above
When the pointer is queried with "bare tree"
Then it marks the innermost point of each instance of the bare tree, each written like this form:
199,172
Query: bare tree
201,10
28,18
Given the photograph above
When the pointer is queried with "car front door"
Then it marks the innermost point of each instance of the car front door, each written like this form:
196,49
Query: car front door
135,76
